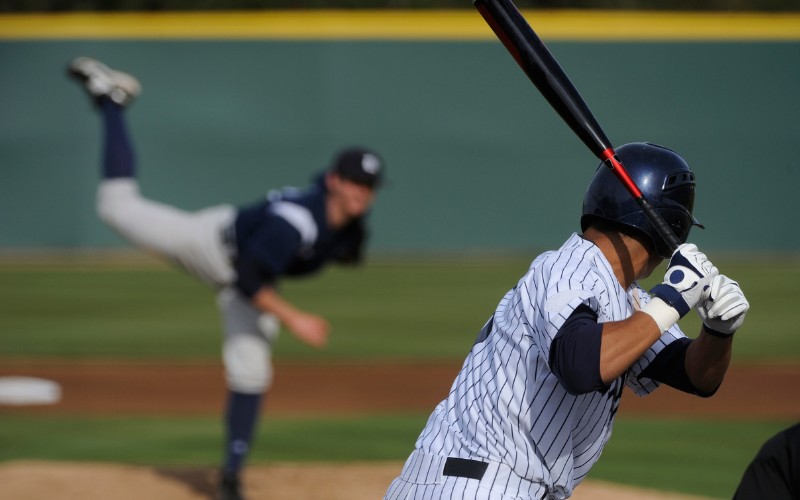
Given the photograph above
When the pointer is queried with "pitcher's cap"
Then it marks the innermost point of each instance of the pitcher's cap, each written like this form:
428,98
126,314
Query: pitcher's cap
359,165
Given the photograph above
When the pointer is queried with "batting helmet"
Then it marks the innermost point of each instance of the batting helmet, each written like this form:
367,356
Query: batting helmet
665,181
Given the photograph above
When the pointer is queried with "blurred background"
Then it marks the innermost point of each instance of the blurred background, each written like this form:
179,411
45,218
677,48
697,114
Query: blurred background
241,97
237,103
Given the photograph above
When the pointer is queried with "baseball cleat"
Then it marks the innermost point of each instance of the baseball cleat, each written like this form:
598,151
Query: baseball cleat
100,80
229,487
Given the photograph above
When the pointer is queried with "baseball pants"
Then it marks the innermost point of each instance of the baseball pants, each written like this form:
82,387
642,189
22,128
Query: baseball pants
193,241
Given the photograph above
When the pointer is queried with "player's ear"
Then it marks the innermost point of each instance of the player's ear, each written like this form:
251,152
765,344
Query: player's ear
332,180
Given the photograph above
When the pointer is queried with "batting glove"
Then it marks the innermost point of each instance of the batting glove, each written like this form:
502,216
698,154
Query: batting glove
688,274
724,307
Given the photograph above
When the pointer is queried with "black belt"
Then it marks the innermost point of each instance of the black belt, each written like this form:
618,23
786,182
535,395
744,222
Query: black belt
464,467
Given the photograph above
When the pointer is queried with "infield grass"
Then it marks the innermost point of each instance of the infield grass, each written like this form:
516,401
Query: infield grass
698,457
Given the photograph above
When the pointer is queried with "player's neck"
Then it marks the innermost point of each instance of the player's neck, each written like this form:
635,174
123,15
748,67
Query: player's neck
628,258
334,214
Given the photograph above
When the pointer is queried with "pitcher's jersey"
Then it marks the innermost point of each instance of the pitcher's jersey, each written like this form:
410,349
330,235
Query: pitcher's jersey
287,234
507,406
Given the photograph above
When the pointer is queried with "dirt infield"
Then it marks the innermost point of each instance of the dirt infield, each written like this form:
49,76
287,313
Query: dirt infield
38,480
184,388
97,388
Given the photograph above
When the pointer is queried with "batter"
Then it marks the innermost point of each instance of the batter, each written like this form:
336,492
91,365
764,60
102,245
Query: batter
534,403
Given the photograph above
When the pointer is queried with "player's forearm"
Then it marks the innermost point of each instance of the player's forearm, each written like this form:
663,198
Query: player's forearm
307,327
623,342
707,360
267,299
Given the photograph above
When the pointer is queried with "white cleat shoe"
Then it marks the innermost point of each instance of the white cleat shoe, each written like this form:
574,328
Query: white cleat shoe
100,80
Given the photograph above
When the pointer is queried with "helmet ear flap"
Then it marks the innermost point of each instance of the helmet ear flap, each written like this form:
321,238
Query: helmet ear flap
664,178
631,231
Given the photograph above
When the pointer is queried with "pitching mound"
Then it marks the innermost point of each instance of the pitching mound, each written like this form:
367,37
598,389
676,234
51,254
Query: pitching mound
363,481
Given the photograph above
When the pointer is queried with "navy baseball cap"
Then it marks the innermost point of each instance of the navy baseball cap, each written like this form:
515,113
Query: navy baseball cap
359,165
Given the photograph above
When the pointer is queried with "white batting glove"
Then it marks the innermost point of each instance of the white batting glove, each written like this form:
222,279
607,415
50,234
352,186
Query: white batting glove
724,307
688,274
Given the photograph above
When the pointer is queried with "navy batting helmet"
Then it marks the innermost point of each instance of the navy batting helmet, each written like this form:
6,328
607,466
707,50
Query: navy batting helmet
664,179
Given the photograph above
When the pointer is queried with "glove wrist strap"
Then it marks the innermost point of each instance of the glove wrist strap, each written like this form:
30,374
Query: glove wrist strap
671,297
662,313
717,333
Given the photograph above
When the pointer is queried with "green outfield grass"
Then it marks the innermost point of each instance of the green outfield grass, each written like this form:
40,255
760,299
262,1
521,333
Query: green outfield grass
388,309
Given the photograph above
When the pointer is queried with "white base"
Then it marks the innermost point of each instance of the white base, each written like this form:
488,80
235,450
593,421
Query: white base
28,391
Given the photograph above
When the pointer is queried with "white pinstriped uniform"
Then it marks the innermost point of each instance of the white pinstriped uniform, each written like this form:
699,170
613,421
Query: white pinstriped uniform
508,409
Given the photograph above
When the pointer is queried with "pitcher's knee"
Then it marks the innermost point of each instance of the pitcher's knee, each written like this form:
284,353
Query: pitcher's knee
248,367
114,197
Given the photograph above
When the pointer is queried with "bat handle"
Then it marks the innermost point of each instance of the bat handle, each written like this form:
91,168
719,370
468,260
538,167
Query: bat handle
611,161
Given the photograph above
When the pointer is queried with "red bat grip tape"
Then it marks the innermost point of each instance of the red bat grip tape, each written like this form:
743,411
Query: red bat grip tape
610,157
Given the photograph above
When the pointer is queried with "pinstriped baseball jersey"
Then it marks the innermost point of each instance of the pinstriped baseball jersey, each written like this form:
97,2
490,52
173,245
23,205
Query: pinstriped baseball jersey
507,406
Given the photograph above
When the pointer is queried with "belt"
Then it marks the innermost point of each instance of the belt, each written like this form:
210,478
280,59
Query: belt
424,469
464,467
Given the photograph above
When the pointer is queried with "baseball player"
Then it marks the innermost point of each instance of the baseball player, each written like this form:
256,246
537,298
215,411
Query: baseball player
241,252
774,472
534,403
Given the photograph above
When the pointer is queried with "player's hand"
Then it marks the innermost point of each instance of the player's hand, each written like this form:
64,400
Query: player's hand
688,274
309,328
723,308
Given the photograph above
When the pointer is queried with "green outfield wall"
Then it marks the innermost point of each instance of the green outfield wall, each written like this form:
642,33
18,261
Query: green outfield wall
477,161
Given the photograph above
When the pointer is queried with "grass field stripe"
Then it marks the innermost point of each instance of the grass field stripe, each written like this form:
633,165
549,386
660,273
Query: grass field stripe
460,25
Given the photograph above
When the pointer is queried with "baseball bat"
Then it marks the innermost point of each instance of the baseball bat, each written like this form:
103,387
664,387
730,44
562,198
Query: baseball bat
546,74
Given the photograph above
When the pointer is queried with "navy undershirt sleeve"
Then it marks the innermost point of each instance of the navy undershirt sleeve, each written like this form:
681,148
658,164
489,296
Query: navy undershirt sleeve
249,278
669,367
575,352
